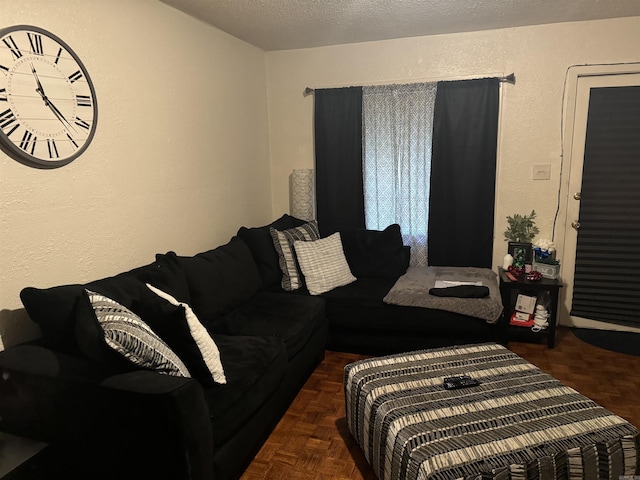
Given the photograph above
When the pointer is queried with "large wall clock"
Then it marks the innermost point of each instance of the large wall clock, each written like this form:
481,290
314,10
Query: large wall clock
48,108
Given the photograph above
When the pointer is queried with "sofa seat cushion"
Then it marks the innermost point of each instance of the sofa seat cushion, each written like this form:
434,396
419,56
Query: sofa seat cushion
364,292
289,317
359,305
254,368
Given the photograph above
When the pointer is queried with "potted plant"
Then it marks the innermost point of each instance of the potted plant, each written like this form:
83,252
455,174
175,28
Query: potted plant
520,232
521,228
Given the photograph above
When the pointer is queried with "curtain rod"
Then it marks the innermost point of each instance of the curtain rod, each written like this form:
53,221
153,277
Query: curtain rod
511,78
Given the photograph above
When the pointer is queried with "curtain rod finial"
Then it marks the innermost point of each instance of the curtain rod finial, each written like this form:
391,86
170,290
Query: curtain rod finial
511,78
307,91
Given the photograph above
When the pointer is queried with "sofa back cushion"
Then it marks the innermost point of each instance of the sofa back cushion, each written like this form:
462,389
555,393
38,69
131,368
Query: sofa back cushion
374,253
259,241
220,279
54,309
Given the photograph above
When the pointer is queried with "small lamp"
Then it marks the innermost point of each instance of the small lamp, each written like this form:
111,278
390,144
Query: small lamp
303,194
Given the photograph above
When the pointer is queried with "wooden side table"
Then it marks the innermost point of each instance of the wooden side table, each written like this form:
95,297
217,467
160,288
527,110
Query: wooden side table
18,458
546,291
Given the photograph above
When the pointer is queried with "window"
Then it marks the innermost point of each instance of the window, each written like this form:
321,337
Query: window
456,129
397,138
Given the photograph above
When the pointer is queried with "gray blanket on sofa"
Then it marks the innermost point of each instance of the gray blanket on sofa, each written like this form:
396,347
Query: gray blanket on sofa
412,289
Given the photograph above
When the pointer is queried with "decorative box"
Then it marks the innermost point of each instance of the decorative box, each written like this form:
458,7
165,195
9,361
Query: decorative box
547,271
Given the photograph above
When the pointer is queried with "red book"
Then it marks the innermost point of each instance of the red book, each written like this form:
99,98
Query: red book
521,323
511,276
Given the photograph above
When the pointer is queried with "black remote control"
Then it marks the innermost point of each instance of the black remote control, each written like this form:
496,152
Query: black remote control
462,381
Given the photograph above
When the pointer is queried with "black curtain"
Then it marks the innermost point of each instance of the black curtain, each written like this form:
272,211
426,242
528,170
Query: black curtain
463,173
338,144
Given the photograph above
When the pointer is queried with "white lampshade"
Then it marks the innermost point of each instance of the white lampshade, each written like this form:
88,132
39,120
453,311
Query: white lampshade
302,194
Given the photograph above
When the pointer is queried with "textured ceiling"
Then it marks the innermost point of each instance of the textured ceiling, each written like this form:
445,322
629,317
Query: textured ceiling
290,24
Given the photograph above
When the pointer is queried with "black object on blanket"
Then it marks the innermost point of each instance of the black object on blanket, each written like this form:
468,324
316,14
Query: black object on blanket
461,291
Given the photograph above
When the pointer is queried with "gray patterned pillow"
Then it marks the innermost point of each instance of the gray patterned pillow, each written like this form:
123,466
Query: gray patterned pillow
128,335
323,264
283,242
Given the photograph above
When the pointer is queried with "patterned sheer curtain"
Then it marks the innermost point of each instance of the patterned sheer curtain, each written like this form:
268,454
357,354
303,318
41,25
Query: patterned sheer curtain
397,137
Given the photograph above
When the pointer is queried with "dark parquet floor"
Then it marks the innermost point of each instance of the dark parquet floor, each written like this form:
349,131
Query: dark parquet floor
312,440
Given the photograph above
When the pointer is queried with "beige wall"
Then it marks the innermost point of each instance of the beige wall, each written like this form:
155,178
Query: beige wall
181,154
531,110
179,161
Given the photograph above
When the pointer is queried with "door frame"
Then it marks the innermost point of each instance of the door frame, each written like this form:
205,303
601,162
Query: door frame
568,129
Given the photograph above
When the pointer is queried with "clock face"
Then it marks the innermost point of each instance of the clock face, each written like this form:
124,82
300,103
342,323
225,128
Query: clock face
48,109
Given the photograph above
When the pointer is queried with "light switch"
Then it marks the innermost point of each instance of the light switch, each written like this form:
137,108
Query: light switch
542,171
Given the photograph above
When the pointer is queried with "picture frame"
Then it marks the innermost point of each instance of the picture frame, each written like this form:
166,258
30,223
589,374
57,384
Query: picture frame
515,248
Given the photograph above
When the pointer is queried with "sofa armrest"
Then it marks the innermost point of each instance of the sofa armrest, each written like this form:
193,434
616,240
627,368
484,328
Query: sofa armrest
138,424
32,384
175,408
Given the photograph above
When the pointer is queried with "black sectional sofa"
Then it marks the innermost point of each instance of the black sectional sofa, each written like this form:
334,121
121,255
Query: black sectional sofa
105,417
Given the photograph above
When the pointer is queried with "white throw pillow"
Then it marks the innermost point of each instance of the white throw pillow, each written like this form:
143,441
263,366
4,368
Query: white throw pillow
323,264
208,348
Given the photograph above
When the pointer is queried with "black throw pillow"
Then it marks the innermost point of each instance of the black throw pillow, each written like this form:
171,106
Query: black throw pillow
461,291
259,241
375,253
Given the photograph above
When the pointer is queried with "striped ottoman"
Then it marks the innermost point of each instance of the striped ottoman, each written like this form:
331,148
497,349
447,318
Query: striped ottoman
519,423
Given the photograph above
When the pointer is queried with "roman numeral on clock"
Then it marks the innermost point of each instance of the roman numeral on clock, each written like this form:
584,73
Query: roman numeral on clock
82,123
6,118
4,69
74,77
28,142
35,40
3,94
83,100
53,149
11,45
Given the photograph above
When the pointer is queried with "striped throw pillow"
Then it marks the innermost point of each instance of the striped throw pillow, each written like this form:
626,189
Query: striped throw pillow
323,264
283,242
128,335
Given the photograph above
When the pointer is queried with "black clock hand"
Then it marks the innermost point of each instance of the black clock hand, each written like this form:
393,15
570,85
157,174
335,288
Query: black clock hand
58,114
48,102
40,90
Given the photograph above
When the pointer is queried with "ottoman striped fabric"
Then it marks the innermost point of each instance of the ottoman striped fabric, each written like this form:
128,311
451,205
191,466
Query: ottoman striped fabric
519,423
